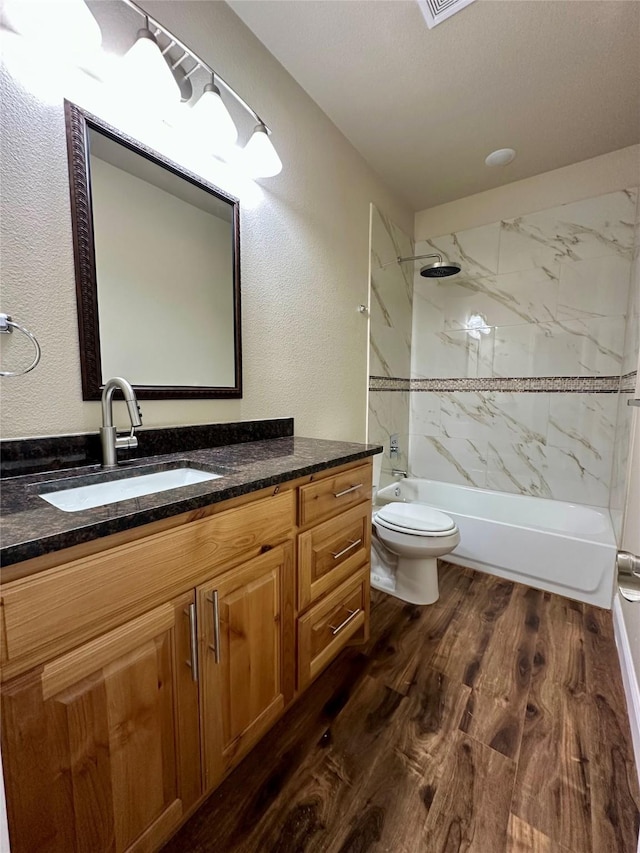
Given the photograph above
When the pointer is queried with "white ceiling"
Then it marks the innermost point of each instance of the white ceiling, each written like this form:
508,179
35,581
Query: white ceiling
558,80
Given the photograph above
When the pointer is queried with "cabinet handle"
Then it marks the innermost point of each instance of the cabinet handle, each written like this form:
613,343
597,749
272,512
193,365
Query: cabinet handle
216,625
193,641
348,548
352,615
347,491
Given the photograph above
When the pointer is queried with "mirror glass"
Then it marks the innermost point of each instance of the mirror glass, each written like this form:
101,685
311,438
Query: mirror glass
159,290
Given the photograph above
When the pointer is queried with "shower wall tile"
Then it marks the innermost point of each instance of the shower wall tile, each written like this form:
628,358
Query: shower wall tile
583,421
390,302
551,291
632,331
391,320
377,364
548,472
518,468
392,351
428,305
425,412
561,348
388,415
452,354
632,340
453,460
573,475
630,362
491,416
598,287
621,447
476,250
391,297
572,232
501,300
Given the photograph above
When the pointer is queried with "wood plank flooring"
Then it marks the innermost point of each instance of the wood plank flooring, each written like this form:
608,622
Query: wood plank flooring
493,721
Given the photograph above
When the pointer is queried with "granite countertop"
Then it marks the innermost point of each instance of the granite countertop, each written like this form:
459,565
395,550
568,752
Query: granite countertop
30,526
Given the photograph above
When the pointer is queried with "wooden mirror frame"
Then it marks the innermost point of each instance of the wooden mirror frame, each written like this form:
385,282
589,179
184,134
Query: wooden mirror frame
78,123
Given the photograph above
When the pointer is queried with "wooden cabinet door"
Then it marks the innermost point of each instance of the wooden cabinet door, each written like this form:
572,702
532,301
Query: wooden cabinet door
243,617
101,746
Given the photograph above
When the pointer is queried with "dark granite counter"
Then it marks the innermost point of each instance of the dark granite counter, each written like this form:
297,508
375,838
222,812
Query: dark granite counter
30,526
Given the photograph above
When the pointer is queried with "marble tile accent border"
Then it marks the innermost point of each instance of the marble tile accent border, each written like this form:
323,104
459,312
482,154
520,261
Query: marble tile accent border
628,381
389,383
524,384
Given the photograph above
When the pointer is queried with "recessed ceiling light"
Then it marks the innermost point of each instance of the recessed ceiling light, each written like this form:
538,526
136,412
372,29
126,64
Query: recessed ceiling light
501,157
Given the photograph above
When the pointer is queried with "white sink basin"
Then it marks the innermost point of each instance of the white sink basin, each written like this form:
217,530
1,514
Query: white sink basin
99,494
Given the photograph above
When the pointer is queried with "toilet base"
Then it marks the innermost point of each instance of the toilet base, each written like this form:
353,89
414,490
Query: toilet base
416,581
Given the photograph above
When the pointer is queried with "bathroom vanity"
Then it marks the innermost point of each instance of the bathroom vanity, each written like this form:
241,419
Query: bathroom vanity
140,667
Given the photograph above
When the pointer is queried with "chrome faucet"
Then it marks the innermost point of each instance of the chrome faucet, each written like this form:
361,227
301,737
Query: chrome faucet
109,439
397,472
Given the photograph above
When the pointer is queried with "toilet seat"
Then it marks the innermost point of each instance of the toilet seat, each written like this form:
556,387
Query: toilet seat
415,519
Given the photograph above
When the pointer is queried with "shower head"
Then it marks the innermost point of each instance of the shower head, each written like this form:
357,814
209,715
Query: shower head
439,269
436,269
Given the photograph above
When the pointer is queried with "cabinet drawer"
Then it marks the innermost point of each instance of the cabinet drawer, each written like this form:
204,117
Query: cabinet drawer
56,610
328,497
330,552
327,627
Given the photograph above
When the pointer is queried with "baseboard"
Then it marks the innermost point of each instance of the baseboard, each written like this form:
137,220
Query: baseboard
629,679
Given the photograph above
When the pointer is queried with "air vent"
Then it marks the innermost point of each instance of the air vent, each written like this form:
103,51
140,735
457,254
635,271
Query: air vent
437,11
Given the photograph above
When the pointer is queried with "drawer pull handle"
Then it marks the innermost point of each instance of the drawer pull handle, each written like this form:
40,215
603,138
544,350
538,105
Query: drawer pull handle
348,491
352,615
348,548
215,648
193,641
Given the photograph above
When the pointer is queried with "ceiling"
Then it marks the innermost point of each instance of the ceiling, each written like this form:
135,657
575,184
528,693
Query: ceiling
559,81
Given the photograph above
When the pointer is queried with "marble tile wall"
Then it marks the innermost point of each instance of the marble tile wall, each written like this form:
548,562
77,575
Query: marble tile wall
390,315
542,295
624,412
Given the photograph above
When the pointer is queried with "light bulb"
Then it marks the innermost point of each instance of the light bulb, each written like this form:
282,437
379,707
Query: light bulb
210,119
259,155
66,24
145,73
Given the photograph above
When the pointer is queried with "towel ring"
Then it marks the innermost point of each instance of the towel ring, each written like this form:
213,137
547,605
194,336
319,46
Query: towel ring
6,327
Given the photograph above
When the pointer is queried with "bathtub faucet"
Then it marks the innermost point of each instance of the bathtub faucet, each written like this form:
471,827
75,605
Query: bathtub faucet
398,473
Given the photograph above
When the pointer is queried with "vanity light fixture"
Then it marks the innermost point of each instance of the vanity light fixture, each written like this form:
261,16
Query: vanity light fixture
146,70
210,118
259,155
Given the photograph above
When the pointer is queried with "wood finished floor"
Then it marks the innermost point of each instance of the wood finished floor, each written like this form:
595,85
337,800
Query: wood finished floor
493,721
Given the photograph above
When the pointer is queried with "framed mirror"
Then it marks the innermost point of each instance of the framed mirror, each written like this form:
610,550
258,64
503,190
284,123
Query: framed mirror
157,259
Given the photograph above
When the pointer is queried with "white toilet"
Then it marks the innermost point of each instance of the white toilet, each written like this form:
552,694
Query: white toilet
418,535
412,536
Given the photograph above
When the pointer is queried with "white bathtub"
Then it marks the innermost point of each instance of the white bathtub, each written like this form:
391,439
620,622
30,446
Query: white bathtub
552,545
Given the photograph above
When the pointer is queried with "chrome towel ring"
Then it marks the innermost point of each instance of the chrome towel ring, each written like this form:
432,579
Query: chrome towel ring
7,326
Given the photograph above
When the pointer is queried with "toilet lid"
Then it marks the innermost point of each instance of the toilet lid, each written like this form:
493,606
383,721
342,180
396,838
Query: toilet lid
414,516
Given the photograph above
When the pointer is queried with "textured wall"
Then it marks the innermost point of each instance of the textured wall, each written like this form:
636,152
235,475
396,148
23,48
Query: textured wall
549,291
305,254
390,308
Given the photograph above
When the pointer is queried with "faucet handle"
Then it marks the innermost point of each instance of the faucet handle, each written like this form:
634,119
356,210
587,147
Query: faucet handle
128,442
